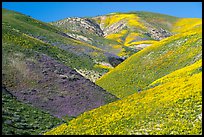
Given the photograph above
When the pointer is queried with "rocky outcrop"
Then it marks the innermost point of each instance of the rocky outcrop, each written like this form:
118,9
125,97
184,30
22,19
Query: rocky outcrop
83,25
155,33
158,34
80,37
114,28
97,26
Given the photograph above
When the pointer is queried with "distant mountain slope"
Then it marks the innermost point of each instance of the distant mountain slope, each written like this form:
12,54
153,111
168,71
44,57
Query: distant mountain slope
124,33
74,53
119,31
83,25
38,72
172,106
23,119
88,31
153,62
185,24
132,27
135,21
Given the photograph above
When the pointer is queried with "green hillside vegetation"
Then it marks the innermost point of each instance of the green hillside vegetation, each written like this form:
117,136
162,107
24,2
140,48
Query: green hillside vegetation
153,62
108,45
136,29
97,41
33,68
23,119
172,105
158,20
29,35
122,73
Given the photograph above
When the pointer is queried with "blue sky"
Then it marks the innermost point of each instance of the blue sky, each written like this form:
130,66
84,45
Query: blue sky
53,11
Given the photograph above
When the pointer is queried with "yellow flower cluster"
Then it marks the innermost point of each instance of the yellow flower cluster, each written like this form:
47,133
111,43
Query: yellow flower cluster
132,20
131,37
153,62
172,107
117,36
103,66
123,37
185,24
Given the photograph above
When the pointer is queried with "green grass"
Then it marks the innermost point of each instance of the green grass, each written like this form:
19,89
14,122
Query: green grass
23,119
158,20
173,107
97,41
153,62
169,98
155,19
27,35
16,41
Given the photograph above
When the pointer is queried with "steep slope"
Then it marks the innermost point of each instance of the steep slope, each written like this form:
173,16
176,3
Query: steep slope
129,28
76,54
124,34
185,24
139,21
153,62
87,30
118,33
51,86
37,72
172,106
22,119
83,25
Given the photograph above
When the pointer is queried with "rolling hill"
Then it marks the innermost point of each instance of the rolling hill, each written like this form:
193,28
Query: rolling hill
119,32
37,72
81,56
120,73
138,71
172,106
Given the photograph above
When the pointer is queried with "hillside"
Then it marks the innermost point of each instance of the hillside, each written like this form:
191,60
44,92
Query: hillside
51,86
138,71
136,30
120,73
119,33
39,73
23,119
77,54
172,106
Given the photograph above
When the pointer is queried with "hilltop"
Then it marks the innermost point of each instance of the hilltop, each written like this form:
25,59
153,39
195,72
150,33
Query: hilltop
121,31
120,73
